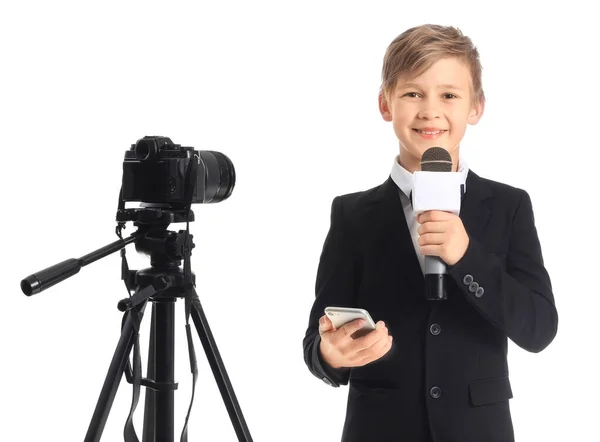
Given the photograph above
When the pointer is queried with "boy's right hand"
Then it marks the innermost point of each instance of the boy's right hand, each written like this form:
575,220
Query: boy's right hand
340,350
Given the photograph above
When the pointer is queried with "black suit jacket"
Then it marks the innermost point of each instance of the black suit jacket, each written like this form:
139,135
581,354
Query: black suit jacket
446,376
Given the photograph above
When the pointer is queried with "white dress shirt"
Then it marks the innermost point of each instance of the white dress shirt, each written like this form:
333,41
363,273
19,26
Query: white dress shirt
404,180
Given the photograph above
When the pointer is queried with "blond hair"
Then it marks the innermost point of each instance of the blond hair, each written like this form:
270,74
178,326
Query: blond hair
417,48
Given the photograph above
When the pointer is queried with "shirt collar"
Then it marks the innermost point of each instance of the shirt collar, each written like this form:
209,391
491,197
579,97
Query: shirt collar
404,179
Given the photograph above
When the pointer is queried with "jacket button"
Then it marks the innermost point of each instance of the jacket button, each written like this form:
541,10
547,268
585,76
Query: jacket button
435,392
435,329
468,279
473,287
479,292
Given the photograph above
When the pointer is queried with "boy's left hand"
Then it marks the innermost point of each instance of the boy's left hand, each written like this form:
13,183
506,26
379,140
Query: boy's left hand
442,234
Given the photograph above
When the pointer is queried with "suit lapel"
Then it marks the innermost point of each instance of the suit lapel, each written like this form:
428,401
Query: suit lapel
474,210
393,240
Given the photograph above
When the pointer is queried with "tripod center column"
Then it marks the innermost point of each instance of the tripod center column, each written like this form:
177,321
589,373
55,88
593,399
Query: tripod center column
164,364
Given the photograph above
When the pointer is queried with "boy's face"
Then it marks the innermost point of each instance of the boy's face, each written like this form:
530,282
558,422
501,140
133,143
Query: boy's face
439,101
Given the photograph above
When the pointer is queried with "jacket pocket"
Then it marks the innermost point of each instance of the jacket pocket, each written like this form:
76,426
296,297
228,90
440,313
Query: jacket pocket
488,391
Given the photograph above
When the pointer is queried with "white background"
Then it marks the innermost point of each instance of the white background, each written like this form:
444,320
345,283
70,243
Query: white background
289,92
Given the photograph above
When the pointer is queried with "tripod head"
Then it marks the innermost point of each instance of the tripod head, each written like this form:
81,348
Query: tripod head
166,249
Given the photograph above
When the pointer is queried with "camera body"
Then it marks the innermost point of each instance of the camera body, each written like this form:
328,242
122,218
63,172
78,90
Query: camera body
155,169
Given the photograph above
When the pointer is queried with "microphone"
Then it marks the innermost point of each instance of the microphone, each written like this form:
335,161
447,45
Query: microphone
436,191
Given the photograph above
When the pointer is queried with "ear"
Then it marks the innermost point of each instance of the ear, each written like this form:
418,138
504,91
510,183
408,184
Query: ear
384,108
476,112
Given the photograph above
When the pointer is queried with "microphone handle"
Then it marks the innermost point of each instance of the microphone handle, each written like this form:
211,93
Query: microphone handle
435,278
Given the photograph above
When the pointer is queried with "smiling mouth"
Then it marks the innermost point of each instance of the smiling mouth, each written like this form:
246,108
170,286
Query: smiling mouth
430,132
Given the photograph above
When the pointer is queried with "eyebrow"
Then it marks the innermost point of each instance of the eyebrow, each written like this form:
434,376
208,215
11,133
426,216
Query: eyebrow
441,86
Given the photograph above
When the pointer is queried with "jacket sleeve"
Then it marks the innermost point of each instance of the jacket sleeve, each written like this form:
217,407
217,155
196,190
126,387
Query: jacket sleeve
335,286
518,300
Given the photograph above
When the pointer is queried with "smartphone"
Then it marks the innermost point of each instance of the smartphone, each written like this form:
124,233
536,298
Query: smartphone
342,315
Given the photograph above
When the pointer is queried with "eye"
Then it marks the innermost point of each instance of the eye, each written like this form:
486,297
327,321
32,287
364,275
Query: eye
411,94
450,96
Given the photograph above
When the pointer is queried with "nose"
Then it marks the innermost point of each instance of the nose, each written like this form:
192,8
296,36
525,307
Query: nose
428,110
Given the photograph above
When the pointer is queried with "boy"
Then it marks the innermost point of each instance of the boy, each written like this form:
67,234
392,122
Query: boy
444,378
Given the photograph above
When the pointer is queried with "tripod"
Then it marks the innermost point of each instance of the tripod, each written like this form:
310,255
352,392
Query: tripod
161,285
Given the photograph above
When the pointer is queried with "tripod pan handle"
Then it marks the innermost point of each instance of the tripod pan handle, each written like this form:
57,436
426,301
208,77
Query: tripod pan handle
41,280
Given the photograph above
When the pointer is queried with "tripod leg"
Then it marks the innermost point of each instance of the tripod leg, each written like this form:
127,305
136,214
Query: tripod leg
113,379
218,369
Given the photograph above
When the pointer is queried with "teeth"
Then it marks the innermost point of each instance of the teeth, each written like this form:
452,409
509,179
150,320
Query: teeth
430,133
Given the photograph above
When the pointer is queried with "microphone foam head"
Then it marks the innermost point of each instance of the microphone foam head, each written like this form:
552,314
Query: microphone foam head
436,159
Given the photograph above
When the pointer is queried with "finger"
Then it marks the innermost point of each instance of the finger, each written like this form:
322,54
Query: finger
431,250
353,347
324,324
368,341
349,328
377,351
374,351
431,239
386,347
433,227
433,215
424,217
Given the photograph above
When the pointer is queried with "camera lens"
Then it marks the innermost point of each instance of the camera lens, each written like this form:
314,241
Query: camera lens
220,176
